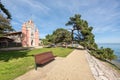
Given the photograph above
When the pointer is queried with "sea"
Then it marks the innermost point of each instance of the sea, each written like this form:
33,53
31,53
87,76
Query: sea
116,48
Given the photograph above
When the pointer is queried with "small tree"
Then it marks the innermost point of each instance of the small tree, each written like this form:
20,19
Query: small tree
60,35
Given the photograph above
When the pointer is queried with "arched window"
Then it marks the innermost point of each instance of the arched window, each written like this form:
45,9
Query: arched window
32,42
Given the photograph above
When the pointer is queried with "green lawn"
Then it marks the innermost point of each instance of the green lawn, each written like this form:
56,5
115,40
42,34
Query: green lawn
16,63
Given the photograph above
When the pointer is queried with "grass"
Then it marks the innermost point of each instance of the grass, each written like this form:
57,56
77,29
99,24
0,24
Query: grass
16,63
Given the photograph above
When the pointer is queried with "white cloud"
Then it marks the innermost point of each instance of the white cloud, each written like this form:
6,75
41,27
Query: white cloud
106,28
23,10
36,5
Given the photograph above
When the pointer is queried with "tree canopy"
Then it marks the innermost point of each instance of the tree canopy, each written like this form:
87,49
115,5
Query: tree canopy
5,11
85,37
61,35
58,36
83,33
5,25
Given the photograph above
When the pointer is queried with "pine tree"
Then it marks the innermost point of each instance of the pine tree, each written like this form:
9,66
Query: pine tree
5,25
83,33
85,37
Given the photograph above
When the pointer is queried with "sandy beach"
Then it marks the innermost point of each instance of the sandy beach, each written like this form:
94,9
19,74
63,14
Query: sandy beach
78,65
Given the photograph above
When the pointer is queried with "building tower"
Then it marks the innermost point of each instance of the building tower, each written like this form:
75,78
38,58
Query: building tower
30,34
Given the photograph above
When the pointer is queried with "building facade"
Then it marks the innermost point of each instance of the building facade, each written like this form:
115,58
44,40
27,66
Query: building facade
27,37
30,34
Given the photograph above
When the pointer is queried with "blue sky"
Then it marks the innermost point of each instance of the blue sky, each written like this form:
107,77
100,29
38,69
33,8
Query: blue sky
48,15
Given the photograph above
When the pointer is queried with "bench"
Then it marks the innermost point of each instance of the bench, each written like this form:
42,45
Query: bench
43,58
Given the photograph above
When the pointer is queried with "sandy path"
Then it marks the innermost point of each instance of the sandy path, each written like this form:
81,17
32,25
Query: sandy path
40,73
79,65
73,67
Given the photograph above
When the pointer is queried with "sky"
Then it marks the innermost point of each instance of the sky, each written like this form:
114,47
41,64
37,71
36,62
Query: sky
48,15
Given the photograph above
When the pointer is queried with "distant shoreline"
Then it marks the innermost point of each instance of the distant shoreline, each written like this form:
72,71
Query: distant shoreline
116,48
